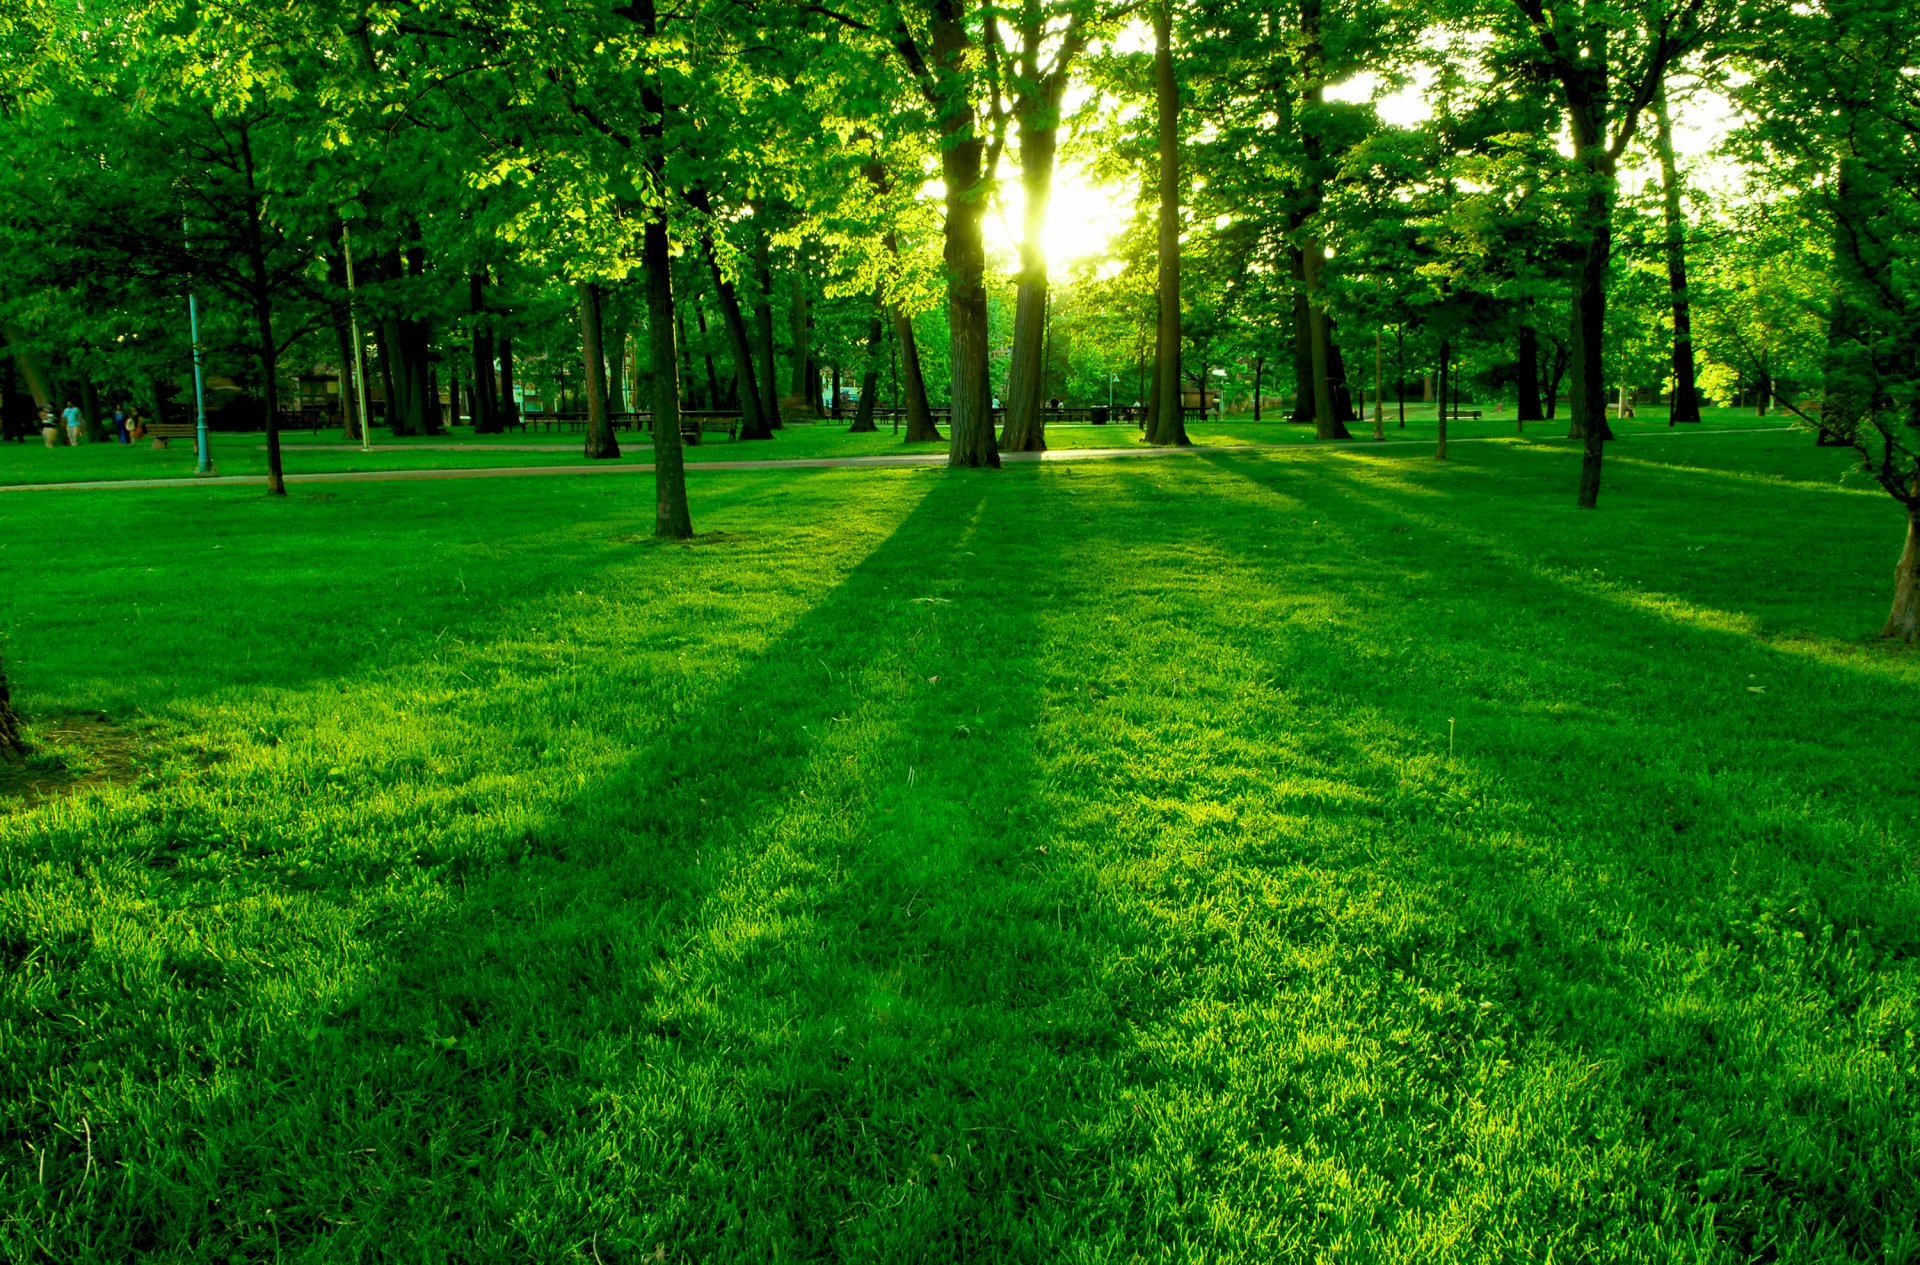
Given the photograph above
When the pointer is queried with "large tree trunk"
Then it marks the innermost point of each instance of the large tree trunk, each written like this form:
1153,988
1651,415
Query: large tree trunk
1686,396
1166,424
671,516
12,742
1903,621
870,376
706,356
90,424
600,445
970,437
1026,376
768,377
913,384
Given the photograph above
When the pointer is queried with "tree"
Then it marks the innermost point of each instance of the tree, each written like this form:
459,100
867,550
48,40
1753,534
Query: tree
1166,423
1585,46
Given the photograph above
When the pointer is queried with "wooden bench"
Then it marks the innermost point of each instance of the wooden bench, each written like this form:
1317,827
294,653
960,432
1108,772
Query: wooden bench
1458,413
161,432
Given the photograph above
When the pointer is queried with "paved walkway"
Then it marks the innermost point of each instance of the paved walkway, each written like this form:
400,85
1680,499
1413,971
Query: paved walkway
797,463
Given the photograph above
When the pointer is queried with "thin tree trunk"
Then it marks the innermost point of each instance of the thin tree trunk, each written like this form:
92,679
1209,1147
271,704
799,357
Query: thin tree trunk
763,330
486,405
600,443
349,398
1400,370
1903,621
870,376
1446,355
706,356
268,349
754,423
1025,429
800,325
1259,363
1167,425
671,516
1686,396
1586,115
30,368
1527,409
913,382
616,374
509,407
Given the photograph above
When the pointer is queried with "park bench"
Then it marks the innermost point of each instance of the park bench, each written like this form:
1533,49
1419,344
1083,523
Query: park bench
1457,413
161,432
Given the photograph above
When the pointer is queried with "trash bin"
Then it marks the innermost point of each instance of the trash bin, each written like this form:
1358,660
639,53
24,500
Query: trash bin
1097,415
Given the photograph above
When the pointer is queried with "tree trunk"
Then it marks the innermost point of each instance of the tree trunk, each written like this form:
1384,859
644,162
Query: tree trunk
1025,429
970,437
1343,407
763,331
671,516
349,396
90,423
1528,373
600,444
29,368
753,421
616,374
1303,406
1686,395
1167,425
920,427
685,367
800,325
506,407
1586,114
486,405
1259,363
266,348
706,356
1446,355
1903,621
12,743
1326,425
870,376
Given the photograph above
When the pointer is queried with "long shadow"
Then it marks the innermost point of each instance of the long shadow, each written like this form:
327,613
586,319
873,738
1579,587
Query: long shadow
795,979
1691,919
189,597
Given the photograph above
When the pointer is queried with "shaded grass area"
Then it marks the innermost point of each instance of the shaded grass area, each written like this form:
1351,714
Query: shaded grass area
1071,863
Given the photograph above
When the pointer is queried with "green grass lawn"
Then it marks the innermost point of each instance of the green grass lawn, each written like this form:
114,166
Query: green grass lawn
1263,856
309,453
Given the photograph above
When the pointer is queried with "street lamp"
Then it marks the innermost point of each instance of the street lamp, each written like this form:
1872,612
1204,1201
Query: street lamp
203,458
359,359
1111,379
1220,395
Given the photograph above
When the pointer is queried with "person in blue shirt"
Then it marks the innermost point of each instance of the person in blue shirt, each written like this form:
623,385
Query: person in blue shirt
72,415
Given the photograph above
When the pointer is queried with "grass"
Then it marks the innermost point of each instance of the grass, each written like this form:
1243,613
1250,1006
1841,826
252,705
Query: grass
307,453
1271,855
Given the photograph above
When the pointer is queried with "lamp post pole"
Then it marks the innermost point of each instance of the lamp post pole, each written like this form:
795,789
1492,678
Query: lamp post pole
359,358
204,462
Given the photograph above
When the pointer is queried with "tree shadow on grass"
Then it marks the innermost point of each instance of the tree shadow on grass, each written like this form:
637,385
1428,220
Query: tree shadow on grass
796,979
1665,924
186,596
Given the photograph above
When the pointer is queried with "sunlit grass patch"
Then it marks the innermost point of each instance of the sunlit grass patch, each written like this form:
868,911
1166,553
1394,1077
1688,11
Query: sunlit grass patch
1346,854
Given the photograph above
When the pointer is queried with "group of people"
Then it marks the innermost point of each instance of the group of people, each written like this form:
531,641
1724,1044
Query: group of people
123,425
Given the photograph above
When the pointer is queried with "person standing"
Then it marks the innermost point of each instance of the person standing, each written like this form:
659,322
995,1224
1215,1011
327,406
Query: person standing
120,426
49,426
72,416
